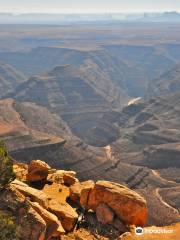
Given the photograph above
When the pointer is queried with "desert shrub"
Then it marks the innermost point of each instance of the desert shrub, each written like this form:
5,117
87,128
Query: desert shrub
8,228
6,167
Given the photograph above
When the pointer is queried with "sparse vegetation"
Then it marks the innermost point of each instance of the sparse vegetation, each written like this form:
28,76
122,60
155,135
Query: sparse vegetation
6,167
8,228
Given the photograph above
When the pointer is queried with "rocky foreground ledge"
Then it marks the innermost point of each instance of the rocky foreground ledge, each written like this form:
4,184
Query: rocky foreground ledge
53,204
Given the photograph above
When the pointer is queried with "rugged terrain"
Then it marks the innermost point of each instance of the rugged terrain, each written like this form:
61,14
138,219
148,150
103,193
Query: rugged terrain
105,105
125,161
129,67
79,101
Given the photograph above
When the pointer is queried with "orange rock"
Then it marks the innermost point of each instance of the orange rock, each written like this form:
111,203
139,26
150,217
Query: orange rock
75,190
65,213
85,194
69,180
37,171
104,214
128,205
56,191
34,194
56,176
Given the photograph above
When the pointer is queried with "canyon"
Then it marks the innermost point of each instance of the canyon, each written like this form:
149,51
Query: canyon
106,107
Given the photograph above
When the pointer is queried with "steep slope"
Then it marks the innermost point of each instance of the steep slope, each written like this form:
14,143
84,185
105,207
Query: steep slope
43,59
99,63
152,129
76,97
9,78
167,83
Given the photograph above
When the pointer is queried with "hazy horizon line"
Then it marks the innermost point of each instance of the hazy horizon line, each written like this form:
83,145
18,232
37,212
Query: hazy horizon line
98,12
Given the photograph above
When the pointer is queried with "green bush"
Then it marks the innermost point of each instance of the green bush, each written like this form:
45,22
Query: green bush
8,228
6,167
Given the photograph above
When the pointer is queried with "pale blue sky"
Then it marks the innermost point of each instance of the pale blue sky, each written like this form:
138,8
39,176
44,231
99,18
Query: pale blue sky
89,5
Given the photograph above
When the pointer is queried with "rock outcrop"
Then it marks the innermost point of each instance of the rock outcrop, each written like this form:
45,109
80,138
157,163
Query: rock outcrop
47,214
32,193
63,211
129,206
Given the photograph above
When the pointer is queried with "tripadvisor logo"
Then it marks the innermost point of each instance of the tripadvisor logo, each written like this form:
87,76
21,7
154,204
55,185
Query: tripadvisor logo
138,230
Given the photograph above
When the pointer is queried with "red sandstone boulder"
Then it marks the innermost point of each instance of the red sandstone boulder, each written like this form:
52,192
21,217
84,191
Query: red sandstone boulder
37,171
127,205
85,194
77,188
